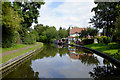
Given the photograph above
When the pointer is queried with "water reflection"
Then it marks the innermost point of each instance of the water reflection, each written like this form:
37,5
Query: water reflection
61,61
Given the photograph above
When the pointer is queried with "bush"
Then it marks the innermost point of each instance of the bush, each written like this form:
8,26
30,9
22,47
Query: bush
103,39
100,39
76,36
10,40
106,39
43,39
52,40
88,41
28,38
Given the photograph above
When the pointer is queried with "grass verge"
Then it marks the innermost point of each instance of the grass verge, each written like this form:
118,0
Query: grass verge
17,46
112,49
13,55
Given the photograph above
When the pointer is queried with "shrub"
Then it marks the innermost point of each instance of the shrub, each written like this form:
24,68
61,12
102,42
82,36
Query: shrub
10,40
106,39
43,39
88,41
100,39
28,38
103,39
52,40
76,36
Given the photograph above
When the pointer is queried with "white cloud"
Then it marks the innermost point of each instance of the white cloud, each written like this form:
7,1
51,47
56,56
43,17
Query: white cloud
75,13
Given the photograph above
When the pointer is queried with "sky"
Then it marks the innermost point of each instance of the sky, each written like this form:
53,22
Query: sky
65,13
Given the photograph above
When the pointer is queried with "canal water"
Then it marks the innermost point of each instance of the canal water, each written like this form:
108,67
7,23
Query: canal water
58,61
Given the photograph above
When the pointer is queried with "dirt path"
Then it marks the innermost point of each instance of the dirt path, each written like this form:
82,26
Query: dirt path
17,50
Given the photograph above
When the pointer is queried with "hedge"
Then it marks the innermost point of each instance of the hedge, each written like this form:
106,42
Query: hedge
88,41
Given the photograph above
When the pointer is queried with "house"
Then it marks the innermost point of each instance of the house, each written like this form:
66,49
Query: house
75,32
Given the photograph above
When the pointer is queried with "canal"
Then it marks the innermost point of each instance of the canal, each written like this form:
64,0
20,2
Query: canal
56,61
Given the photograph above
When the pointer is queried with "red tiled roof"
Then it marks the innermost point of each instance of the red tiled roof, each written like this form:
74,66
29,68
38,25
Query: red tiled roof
74,30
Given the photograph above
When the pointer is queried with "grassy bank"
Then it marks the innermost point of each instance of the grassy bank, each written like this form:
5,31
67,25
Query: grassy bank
13,55
17,46
110,49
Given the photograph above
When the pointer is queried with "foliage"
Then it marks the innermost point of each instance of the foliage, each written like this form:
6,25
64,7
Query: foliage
35,34
110,49
76,36
92,31
89,31
104,39
28,38
50,33
83,34
105,16
42,38
40,28
117,30
62,33
29,11
10,25
10,19
10,39
88,41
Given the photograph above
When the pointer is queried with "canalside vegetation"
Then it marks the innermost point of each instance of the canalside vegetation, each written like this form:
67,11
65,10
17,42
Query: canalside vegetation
16,25
107,18
17,33
16,22
18,17
19,53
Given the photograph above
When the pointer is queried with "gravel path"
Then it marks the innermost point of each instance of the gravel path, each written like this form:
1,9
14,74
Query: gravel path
17,50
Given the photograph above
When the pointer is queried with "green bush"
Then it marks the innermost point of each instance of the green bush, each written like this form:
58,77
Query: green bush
103,39
100,39
106,39
10,40
76,36
28,38
88,41
43,39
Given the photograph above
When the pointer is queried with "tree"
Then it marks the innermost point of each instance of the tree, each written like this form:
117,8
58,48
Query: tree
63,33
10,25
105,16
29,11
117,30
40,28
92,31
83,33
50,33
10,18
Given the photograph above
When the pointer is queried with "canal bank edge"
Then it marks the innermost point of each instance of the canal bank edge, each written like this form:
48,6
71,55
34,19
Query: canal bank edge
5,67
111,59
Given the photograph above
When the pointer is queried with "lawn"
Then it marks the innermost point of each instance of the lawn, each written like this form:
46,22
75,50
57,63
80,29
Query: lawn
112,49
13,55
17,46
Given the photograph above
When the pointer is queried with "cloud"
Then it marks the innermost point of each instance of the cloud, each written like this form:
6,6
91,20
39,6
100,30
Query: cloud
66,13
